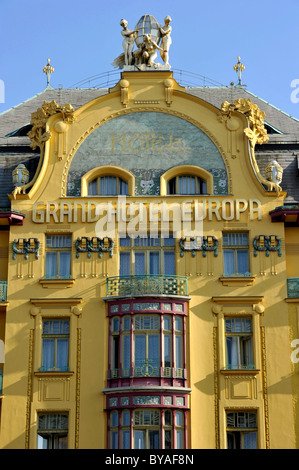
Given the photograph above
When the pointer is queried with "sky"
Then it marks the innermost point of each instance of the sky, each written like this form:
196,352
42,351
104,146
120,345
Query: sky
83,38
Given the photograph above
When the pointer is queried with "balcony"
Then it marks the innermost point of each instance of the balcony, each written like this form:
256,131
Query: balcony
3,291
293,287
147,285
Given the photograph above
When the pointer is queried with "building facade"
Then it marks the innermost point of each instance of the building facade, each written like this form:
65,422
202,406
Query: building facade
150,269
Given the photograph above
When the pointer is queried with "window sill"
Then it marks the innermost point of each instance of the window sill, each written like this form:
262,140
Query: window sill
57,283
53,373
239,371
234,281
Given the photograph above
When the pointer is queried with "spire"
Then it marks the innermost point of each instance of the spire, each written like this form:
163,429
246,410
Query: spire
48,70
239,67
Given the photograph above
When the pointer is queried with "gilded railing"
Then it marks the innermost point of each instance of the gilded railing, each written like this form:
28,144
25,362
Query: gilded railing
3,291
147,285
293,287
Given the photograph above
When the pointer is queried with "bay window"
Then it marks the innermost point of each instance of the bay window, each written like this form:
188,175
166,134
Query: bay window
147,428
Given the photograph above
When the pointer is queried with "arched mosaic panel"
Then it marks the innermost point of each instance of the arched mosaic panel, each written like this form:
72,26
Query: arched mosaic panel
147,144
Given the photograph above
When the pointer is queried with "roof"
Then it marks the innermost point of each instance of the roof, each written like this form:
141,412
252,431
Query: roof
283,144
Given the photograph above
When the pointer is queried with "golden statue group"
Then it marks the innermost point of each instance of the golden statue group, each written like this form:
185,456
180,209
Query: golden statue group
149,37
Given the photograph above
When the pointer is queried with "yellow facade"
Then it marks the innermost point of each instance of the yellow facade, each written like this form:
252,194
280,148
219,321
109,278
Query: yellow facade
268,388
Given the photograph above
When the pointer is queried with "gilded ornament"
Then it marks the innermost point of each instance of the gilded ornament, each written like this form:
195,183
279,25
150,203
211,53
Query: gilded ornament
256,132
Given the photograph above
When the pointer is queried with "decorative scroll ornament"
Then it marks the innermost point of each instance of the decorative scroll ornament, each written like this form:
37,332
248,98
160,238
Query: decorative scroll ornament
149,37
24,246
209,243
94,245
256,132
38,135
267,243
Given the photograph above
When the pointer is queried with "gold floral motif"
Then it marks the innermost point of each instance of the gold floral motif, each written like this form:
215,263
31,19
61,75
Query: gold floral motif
256,132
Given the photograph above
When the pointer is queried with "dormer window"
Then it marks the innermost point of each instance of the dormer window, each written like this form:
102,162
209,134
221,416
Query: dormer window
108,186
186,185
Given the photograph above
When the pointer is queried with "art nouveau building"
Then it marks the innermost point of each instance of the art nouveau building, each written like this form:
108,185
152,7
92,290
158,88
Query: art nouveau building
149,269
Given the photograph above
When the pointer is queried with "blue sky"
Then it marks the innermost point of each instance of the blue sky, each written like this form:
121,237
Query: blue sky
83,38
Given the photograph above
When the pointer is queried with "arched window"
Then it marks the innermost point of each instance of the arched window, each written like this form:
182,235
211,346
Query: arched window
107,181
186,180
108,186
186,184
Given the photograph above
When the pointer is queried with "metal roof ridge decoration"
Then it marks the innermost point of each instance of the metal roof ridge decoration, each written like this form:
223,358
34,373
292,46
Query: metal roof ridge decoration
149,37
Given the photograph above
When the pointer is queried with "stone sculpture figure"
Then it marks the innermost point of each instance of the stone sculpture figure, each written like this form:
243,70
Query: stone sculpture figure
128,42
166,39
147,53
150,37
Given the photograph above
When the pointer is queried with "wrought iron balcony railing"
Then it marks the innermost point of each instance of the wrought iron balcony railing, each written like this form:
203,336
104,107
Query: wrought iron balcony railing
293,287
147,371
150,284
3,291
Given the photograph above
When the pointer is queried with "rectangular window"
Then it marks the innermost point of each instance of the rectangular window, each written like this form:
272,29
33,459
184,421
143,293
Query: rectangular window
236,254
58,256
55,345
52,431
241,429
239,354
145,255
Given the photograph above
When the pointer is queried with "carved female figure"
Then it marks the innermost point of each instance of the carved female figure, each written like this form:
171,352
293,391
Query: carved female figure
166,39
128,42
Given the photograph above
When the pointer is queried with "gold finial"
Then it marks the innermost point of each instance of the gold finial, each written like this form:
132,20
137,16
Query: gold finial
48,70
239,67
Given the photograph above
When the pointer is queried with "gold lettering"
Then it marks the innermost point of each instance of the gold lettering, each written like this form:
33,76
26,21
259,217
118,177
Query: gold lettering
241,206
133,139
230,203
115,140
255,207
156,141
52,212
38,216
172,141
67,211
214,210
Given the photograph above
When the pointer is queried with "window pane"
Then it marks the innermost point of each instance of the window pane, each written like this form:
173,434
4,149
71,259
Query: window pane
139,263
48,354
180,439
168,439
92,188
126,418
154,350
242,260
114,440
139,350
62,353
250,440
126,439
51,264
124,268
169,263
154,439
178,352
139,439
229,261
154,262
65,263
127,351
167,351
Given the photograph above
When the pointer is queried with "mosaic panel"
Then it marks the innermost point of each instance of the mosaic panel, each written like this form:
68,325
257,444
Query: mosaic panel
147,144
